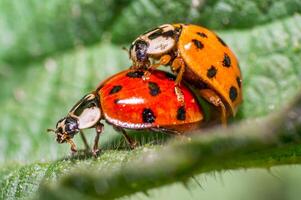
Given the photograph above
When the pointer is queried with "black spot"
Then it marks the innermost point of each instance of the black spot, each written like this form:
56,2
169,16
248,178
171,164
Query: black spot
233,93
115,89
169,33
203,35
116,101
160,32
226,61
148,115
221,41
211,72
181,113
198,44
238,80
155,34
170,76
135,74
154,89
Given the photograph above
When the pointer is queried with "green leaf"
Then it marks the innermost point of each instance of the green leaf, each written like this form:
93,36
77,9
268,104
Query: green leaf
60,25
34,29
264,143
223,14
60,50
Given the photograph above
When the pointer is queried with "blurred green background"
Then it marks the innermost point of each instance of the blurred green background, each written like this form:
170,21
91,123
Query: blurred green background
54,52
275,183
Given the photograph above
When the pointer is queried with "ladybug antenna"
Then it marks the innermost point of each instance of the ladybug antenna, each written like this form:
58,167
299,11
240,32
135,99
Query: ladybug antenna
51,130
126,49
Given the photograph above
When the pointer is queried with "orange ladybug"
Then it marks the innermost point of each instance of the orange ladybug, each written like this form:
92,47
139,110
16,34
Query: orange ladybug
197,55
126,101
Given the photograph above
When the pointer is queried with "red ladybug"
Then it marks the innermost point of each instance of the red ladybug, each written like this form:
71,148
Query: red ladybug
126,101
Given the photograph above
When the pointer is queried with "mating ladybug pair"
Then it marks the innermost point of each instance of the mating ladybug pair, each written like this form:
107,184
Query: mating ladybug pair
144,98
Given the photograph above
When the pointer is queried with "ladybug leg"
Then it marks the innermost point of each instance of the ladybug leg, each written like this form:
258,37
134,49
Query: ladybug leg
84,140
164,60
73,146
214,99
178,65
131,142
99,129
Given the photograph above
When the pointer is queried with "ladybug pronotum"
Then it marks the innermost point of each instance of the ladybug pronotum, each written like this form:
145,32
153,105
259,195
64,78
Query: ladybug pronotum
197,55
126,101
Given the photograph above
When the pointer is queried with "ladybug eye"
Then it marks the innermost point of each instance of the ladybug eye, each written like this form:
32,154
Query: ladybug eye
141,48
71,125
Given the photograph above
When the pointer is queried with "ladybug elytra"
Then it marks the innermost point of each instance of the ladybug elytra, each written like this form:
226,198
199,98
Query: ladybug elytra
197,55
126,101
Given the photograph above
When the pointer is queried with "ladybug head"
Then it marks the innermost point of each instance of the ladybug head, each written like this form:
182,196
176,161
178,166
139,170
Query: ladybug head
66,128
154,44
85,114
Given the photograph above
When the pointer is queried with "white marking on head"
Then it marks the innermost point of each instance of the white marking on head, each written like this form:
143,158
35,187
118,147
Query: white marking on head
160,45
89,117
159,40
86,111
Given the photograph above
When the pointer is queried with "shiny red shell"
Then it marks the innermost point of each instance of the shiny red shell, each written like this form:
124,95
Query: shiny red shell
128,101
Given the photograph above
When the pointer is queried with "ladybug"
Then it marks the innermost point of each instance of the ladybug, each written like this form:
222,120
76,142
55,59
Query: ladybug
197,55
126,101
